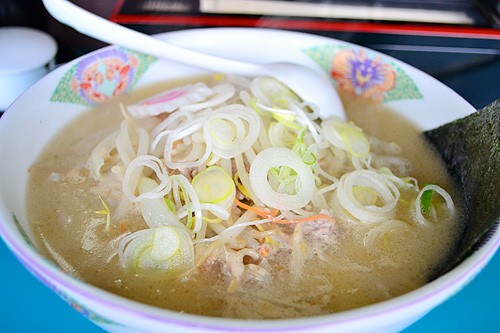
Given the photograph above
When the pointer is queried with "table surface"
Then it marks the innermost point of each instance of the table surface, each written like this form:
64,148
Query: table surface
26,305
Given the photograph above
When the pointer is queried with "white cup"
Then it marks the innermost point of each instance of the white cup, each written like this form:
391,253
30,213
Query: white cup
26,55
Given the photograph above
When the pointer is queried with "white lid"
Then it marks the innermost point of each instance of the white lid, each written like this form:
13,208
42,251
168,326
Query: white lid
23,49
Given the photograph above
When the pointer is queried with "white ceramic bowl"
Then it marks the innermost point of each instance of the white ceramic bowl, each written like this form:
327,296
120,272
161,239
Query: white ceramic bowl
57,99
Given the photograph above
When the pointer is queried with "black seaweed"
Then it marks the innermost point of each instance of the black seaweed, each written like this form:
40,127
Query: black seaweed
470,147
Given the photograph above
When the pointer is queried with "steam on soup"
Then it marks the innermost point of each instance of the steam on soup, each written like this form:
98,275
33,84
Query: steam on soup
228,197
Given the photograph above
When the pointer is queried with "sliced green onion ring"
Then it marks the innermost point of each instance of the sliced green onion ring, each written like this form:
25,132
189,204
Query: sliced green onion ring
132,175
167,126
183,132
163,248
272,92
214,186
346,136
222,91
439,190
228,133
425,201
385,190
356,142
277,157
182,190
281,135
156,211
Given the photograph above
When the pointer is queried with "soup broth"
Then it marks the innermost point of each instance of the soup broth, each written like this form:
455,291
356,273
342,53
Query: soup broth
341,264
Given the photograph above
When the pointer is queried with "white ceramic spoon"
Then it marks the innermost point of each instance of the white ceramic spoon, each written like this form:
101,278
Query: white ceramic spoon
310,85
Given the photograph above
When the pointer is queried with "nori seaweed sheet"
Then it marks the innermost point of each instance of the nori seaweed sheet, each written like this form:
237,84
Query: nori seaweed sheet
470,147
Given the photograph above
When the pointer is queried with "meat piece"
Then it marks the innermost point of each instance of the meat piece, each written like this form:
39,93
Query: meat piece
321,229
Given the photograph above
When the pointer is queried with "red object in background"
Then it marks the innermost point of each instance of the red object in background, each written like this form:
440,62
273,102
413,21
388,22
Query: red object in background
173,15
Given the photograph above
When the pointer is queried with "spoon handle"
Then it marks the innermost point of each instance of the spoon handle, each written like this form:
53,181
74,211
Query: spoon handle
112,33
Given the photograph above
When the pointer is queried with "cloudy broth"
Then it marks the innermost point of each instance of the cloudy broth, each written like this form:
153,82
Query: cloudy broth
342,273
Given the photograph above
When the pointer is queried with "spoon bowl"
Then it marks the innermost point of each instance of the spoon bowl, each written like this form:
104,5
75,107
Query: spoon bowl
311,85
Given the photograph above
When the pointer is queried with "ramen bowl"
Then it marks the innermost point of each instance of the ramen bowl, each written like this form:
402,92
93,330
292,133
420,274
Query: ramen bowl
72,89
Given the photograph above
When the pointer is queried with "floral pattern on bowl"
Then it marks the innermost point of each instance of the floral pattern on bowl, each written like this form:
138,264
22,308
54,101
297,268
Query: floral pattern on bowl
363,72
85,311
101,76
112,72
